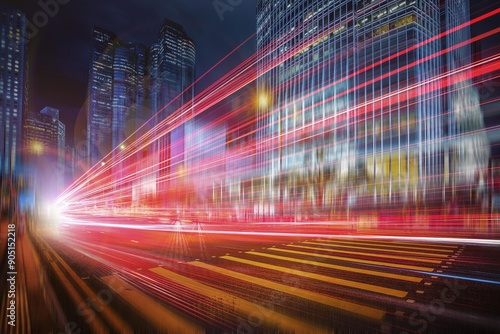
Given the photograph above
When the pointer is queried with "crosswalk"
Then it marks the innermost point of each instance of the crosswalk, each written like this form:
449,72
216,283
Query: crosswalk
349,276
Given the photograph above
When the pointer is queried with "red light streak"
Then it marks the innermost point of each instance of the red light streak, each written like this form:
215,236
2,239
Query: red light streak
102,185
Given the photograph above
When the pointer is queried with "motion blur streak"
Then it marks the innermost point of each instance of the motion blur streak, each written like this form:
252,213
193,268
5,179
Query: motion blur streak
137,184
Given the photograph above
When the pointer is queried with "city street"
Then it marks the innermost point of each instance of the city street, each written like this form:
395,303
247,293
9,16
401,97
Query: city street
229,166
193,277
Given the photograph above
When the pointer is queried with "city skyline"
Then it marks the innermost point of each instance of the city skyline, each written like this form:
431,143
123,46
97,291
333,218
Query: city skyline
337,171
60,47
13,95
361,99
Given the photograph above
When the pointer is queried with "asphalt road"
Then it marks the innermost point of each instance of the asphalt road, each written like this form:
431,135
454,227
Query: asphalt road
273,277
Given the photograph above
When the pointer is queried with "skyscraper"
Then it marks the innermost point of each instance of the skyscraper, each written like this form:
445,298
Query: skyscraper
175,59
172,73
127,85
12,84
128,90
45,141
467,150
115,93
353,109
100,95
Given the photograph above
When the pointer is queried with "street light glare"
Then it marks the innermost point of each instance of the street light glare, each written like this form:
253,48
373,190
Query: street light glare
263,100
36,148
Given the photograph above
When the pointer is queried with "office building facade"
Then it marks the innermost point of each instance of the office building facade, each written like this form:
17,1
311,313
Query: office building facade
353,111
172,75
115,93
100,96
45,143
129,70
12,85
467,146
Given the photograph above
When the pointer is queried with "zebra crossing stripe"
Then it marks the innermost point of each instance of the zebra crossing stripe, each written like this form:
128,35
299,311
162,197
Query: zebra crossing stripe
350,259
327,279
367,311
343,268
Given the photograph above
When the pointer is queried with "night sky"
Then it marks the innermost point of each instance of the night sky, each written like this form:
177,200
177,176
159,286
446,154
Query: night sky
59,51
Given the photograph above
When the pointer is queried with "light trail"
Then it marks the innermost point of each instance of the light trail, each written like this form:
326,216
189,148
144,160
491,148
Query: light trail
187,187
178,198
208,229
493,60
467,278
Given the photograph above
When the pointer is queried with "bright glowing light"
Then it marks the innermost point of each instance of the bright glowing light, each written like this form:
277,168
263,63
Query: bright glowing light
36,148
177,226
263,100
219,171
53,212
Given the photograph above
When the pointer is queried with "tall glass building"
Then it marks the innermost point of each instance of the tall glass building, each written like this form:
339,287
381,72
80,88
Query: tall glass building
467,148
13,40
45,142
172,73
129,67
115,93
352,111
100,95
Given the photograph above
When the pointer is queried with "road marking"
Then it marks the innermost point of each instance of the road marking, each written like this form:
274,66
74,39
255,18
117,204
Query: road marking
135,241
309,295
350,259
328,279
378,249
343,268
392,244
233,302
155,313
382,247
367,254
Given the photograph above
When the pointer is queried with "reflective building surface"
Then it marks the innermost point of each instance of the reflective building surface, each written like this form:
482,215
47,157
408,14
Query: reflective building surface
362,103
100,95
13,41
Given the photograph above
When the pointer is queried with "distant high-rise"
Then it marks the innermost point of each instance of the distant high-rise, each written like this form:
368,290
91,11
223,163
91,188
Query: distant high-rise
12,85
41,133
172,74
175,57
115,93
61,135
128,90
100,95
45,142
